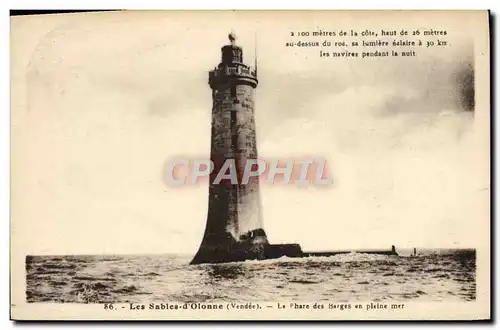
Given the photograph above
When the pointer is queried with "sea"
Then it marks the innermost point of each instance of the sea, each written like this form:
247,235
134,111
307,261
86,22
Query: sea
431,275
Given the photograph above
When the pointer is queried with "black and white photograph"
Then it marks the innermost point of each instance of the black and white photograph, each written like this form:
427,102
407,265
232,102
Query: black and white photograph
250,164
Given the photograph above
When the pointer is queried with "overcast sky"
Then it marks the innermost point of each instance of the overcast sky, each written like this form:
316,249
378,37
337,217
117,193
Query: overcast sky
100,104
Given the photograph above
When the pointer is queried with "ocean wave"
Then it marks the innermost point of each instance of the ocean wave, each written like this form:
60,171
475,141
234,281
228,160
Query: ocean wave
341,257
342,277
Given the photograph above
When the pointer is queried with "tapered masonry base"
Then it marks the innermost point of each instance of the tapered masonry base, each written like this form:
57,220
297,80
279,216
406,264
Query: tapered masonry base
227,249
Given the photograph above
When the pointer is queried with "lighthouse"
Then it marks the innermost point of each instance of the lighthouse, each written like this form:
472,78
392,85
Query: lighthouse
234,229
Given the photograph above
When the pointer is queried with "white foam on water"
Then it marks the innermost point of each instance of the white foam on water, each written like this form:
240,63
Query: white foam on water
342,257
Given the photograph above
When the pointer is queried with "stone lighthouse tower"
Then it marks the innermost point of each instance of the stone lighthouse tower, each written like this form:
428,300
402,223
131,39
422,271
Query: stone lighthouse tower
234,224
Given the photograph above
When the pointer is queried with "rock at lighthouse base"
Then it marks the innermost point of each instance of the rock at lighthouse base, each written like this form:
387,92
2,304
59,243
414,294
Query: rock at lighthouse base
250,246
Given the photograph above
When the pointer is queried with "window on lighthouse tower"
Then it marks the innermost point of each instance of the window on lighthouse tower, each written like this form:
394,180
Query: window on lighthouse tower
234,129
234,95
